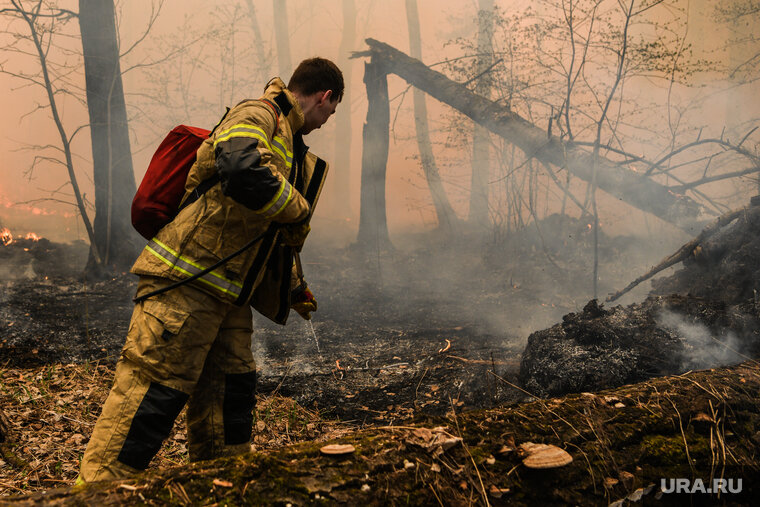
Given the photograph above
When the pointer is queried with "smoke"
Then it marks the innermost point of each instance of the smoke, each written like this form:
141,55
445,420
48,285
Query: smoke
701,347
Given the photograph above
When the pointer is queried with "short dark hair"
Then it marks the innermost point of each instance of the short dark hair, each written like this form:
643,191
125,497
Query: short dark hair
316,75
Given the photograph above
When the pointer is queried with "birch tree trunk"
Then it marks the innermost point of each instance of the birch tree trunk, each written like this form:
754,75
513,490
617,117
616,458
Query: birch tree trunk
443,209
481,145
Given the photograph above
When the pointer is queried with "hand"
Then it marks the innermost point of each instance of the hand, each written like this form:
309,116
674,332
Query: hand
294,235
303,302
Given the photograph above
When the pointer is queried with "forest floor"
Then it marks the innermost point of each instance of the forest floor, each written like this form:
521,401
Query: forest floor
425,332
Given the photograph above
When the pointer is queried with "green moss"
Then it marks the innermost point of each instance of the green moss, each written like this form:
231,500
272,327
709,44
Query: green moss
665,450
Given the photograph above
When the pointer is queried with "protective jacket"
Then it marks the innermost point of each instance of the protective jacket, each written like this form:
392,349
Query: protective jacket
262,176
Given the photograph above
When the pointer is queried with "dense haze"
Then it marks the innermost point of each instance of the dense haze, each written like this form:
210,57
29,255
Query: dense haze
198,57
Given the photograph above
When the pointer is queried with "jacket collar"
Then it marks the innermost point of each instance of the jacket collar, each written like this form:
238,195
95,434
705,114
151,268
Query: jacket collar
284,98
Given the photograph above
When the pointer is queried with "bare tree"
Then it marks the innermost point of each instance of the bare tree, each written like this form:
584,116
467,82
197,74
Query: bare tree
115,238
282,37
445,213
481,144
744,46
42,23
263,55
373,223
343,132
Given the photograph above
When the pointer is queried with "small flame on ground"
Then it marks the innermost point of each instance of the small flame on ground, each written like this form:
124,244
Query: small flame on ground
32,236
5,236
337,364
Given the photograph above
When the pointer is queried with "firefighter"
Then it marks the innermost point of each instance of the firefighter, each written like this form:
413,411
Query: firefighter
192,344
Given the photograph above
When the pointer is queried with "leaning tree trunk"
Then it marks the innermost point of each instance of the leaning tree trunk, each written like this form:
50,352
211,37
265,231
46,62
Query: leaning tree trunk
444,211
373,224
113,174
481,144
633,188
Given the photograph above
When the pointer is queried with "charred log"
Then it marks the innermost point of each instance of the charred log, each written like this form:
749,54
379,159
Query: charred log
633,188
373,223
706,250
706,314
600,348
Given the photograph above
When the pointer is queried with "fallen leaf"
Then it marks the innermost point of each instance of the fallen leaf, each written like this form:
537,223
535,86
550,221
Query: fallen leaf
222,484
497,492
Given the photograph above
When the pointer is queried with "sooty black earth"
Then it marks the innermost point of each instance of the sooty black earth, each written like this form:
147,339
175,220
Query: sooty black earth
398,332
420,335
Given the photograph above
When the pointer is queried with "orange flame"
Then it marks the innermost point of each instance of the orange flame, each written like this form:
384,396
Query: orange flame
5,236
32,236
337,364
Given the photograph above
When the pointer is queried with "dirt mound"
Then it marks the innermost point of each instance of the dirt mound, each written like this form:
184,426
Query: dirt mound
706,314
599,348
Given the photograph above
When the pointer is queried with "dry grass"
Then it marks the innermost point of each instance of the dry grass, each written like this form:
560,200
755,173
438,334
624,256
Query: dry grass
51,411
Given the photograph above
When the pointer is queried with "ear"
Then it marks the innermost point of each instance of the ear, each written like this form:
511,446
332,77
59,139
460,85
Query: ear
325,97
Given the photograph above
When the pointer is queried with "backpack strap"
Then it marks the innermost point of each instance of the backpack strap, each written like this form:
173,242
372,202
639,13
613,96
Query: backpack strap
205,185
276,111
200,189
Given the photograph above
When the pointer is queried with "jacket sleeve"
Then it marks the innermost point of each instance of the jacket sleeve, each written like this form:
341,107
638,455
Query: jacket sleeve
244,160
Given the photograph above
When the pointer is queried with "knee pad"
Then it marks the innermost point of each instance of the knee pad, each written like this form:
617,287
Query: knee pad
239,400
151,424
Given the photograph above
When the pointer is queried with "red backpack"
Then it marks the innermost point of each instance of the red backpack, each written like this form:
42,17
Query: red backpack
157,200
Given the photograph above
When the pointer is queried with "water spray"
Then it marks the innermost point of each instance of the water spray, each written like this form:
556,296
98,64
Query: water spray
314,334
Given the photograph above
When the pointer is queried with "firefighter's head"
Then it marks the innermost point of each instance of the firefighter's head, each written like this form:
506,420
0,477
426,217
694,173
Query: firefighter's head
317,83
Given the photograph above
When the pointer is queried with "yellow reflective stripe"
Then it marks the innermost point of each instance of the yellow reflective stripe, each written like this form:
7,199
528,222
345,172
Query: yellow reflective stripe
274,199
282,206
195,265
278,144
166,261
283,145
187,267
243,130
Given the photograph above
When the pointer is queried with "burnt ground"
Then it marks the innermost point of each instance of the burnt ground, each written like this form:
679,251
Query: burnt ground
428,331
400,331
706,313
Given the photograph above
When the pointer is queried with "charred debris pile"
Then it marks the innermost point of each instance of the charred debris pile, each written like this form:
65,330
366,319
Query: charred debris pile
705,314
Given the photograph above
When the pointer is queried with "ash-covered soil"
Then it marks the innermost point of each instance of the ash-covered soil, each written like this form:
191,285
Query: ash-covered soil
705,314
419,328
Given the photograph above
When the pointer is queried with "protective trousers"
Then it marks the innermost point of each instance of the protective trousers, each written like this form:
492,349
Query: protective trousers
183,346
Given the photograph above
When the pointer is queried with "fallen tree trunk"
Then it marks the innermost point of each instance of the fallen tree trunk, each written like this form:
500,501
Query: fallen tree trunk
625,444
635,189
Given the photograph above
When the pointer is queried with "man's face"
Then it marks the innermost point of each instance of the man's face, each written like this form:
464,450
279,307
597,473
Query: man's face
324,107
